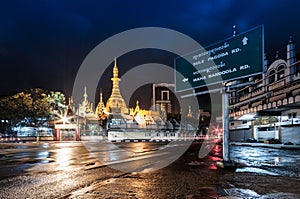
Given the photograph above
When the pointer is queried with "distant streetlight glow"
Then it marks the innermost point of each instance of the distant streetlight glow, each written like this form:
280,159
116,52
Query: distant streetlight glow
63,118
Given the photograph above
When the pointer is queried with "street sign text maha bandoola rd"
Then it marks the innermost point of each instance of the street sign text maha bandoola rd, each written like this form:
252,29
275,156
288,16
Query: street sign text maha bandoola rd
237,57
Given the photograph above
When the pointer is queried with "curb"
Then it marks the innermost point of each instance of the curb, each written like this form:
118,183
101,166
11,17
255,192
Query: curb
276,146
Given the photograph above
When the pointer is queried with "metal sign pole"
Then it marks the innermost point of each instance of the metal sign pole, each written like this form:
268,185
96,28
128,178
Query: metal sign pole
226,163
225,113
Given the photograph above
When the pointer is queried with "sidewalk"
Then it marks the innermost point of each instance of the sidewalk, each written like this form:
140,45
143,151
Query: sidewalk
276,146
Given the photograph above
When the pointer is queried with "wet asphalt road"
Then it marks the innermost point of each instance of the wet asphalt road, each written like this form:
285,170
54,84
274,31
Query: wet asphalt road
129,170
60,169
271,161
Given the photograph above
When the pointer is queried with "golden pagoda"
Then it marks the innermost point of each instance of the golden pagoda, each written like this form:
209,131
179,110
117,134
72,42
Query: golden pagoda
100,109
116,103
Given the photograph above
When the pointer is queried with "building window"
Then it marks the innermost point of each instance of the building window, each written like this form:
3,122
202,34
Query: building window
297,70
280,72
272,76
292,115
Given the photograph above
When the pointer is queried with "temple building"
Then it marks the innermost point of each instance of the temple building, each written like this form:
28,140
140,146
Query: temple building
115,105
87,119
118,121
85,108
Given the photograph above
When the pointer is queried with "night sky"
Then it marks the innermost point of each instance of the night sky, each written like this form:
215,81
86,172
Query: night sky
44,42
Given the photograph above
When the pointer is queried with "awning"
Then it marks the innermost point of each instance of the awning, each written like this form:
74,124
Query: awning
247,117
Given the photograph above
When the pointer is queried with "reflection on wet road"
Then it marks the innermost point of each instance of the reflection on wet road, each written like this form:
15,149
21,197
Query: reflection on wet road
67,156
74,169
267,160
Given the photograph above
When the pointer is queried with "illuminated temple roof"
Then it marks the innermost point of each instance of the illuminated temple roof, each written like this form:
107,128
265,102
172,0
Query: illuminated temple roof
85,107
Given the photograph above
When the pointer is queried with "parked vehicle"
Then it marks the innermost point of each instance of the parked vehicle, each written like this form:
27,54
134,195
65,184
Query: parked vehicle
251,140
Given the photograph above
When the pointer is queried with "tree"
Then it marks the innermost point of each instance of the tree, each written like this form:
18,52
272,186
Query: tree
57,102
31,108
14,108
38,107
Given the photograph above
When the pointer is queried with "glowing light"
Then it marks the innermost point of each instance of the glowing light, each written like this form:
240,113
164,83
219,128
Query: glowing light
63,118
213,167
217,130
139,119
63,158
139,147
213,158
277,160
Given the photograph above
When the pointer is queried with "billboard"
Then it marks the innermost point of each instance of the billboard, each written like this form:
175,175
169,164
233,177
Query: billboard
236,57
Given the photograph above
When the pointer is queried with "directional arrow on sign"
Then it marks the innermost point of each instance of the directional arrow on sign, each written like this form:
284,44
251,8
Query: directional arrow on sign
185,80
245,41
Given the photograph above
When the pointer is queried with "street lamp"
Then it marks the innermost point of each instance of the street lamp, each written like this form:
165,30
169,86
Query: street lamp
64,119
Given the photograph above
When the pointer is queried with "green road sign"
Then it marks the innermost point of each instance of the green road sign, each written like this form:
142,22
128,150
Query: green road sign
237,57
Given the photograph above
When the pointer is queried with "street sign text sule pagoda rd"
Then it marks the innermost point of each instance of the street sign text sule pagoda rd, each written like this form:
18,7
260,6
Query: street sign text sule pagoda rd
236,57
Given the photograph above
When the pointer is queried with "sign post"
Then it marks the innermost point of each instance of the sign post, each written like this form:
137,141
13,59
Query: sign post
237,57
225,100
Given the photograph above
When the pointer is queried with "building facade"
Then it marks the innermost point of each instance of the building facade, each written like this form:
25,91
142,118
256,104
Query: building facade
274,93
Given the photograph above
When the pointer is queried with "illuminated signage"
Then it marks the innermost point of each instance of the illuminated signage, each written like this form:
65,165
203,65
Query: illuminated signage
237,57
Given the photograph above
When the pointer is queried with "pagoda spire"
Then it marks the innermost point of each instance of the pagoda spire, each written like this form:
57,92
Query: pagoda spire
115,70
115,80
70,101
101,98
116,103
85,94
70,107
100,108
137,107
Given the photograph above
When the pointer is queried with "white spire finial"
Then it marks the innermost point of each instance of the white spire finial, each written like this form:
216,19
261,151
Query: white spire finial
85,94
115,69
101,99
234,30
